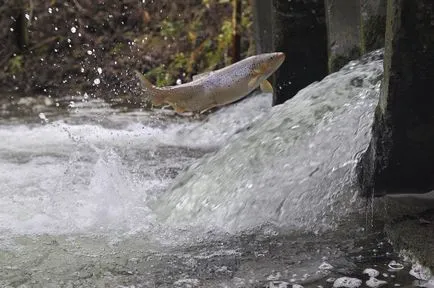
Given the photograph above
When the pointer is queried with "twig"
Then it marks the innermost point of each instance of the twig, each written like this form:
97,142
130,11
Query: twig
80,8
42,43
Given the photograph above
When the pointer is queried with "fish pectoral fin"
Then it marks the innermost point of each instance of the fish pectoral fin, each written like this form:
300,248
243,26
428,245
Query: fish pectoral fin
266,87
256,74
253,82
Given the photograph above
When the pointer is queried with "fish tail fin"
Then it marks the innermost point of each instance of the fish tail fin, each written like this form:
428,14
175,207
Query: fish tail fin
156,95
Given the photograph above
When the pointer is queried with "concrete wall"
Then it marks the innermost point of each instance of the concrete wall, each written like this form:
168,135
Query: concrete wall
317,37
373,24
343,32
299,30
262,21
400,158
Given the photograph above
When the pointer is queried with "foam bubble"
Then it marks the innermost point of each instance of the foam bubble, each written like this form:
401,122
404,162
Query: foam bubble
371,272
347,282
374,282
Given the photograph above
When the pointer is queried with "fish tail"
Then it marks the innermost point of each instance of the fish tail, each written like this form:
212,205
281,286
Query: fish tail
157,96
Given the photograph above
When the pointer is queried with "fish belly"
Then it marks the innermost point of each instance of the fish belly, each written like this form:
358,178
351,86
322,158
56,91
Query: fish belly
230,95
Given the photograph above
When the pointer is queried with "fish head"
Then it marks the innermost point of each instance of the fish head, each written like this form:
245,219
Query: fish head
267,63
262,66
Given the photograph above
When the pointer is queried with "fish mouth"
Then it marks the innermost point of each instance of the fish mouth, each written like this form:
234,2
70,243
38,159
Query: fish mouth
281,57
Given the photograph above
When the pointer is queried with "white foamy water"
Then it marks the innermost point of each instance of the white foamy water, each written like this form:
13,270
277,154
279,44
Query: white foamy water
96,169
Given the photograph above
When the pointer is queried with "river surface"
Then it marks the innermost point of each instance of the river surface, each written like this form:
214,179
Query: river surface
77,191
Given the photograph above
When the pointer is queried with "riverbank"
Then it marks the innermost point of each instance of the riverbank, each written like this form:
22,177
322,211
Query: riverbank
55,47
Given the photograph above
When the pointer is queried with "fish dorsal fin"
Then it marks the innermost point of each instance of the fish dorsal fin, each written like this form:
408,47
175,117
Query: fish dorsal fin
144,82
266,87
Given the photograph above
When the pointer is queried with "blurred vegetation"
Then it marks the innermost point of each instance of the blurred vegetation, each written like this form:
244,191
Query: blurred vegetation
56,47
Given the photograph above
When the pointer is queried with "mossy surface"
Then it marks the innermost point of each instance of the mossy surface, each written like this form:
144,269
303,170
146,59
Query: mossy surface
337,61
373,31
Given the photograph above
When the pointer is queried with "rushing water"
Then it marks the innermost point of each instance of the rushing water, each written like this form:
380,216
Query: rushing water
86,201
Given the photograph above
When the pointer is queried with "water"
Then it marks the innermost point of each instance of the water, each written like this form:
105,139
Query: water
294,169
88,199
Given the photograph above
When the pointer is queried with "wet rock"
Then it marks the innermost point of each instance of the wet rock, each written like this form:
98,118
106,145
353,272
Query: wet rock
414,233
409,225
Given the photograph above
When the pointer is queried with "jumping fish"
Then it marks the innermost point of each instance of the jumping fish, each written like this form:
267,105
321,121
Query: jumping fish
217,88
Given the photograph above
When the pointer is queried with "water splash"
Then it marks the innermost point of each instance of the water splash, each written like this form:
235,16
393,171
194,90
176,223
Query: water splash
95,170
293,168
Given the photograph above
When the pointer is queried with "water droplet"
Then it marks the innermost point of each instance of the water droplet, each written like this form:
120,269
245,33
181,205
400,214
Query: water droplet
99,70
27,16
43,117
50,10
325,266
96,81
178,82
395,265
73,29
89,52
12,29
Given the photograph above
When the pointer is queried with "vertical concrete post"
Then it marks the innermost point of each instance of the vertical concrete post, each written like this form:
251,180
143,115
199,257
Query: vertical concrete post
299,30
343,31
236,37
262,21
400,158
373,24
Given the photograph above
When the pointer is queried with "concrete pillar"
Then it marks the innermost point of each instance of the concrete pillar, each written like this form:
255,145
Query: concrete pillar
400,158
236,36
373,24
343,31
262,21
299,30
